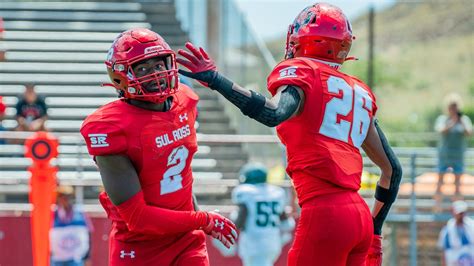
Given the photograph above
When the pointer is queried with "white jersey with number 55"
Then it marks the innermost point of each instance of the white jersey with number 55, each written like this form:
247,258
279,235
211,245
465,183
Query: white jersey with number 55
265,203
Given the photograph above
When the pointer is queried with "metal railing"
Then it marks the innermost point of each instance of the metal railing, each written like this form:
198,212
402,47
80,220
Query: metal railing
426,160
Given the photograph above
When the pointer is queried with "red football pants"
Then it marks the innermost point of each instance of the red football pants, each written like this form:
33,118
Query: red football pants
334,229
190,249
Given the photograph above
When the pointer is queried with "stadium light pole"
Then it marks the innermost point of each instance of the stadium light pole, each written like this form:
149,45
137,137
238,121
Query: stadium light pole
370,66
413,229
213,38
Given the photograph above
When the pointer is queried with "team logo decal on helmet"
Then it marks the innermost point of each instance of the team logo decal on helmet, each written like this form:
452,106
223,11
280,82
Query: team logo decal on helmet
253,173
303,18
320,31
153,49
134,46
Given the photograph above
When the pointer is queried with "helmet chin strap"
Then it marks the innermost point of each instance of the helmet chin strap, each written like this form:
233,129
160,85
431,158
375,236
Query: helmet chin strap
107,85
330,64
351,58
120,92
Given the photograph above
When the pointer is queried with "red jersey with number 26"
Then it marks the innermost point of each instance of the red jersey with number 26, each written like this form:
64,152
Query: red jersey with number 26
323,141
159,144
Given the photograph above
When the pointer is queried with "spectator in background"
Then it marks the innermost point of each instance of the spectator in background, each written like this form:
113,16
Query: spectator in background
457,238
454,128
3,107
31,111
71,232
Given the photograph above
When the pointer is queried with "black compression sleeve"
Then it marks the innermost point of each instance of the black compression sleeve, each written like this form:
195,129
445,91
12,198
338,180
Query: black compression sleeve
289,102
395,180
254,106
224,86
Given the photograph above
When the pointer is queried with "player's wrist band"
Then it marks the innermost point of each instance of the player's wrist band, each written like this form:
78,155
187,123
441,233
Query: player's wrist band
385,195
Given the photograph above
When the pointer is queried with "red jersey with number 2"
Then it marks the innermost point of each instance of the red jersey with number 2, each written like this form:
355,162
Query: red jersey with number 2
160,145
323,141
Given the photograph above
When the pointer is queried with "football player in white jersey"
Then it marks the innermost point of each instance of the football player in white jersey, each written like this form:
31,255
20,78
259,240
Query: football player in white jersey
261,217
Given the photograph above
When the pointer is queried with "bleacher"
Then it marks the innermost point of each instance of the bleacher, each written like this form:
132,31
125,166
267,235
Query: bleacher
61,49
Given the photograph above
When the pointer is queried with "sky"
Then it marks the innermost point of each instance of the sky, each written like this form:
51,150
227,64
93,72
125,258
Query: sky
270,18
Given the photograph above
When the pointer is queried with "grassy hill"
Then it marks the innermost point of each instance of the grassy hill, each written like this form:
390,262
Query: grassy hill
423,51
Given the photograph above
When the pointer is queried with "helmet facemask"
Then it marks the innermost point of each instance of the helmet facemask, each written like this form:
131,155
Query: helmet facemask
157,85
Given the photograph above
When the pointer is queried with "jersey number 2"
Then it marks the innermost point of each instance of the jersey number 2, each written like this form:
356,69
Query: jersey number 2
172,179
354,99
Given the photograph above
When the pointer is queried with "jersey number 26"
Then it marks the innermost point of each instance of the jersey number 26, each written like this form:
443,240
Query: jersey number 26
355,100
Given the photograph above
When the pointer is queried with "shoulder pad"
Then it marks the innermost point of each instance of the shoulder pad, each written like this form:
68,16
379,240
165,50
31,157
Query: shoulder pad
103,137
294,72
185,93
241,193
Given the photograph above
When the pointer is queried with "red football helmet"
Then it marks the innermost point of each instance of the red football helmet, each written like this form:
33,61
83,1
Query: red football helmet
131,47
320,31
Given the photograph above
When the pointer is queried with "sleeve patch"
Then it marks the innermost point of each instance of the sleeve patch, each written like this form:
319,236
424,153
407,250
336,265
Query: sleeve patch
291,72
288,72
98,140
104,139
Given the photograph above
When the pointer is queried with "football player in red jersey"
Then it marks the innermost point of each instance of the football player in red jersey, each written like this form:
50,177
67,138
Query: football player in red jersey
143,145
323,117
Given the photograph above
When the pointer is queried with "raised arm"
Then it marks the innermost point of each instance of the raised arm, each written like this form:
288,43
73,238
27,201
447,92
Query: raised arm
467,125
123,188
271,112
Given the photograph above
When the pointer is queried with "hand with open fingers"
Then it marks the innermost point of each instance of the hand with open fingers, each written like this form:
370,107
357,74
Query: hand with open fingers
374,257
202,67
221,229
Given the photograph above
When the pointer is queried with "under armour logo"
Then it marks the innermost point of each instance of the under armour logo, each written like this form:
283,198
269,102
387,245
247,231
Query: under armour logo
123,254
219,225
183,117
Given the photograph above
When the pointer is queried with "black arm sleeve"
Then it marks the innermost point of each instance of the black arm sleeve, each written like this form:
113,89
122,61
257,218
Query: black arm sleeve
387,196
289,101
254,106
